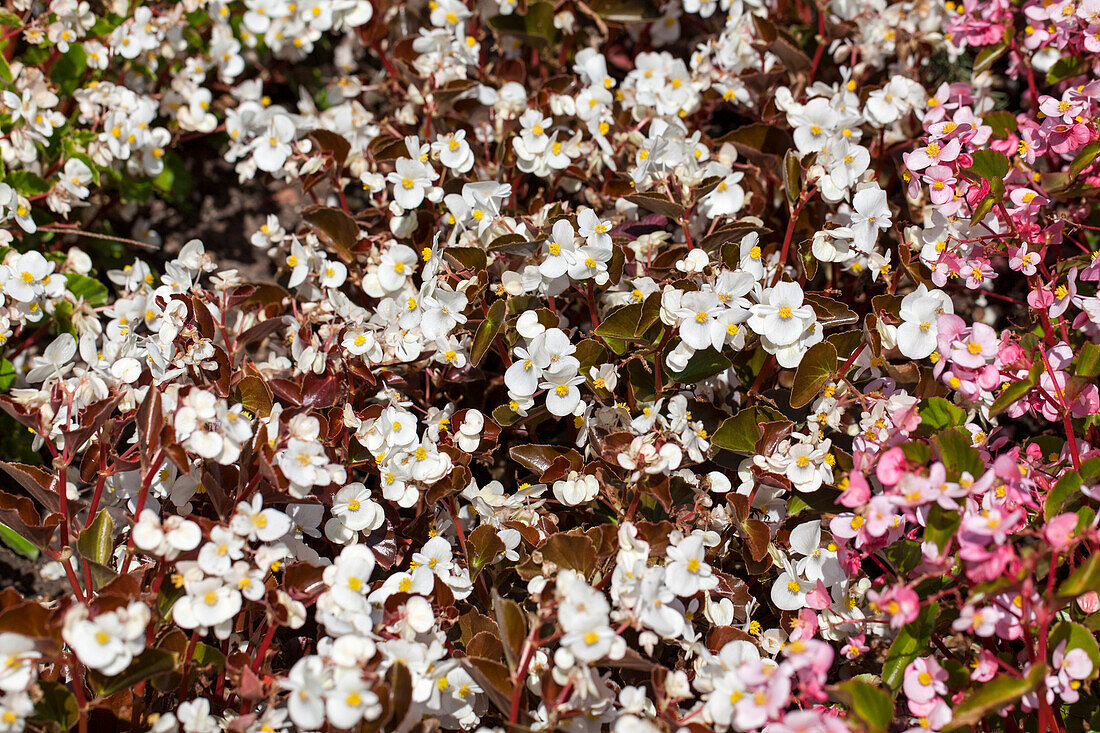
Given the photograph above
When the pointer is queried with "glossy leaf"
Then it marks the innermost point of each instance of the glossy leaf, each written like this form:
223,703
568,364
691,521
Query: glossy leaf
994,696
817,367
871,706
487,331
912,641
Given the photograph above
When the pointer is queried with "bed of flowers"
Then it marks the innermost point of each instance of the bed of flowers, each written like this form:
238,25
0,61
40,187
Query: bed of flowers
633,365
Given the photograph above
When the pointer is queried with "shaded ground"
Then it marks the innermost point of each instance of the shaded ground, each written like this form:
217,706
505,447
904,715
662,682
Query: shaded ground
219,210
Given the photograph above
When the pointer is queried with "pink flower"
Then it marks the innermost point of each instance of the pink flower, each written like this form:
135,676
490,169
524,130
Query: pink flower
934,153
1069,669
941,184
857,493
981,622
1066,108
977,272
1059,531
855,646
924,680
900,603
977,348
1089,602
891,466
986,668
1065,138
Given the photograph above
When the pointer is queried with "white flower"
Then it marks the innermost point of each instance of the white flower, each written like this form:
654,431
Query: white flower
15,708
920,310
789,592
349,574
818,562
194,716
870,213
411,181
453,150
562,396
206,604
726,199
176,535
351,702
272,148
110,641
256,523
54,360
687,572
18,665
594,231
75,178
695,261
468,436
559,250
397,265
701,325
353,505
780,315
305,683
576,489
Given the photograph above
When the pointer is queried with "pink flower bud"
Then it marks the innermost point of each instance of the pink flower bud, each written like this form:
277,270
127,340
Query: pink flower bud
1089,602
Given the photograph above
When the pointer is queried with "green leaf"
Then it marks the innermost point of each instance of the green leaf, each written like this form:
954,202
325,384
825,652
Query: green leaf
985,206
958,452
148,664
96,543
740,432
1076,636
626,11
175,183
989,164
5,70
1003,123
1085,578
535,29
1067,486
936,413
995,696
487,331
872,706
10,19
1066,67
817,367
1084,158
1088,360
916,451
941,526
1016,390
912,641
988,55
7,375
25,182
1090,468
68,71
17,543
904,555
91,290
207,656
702,365
621,323
57,704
